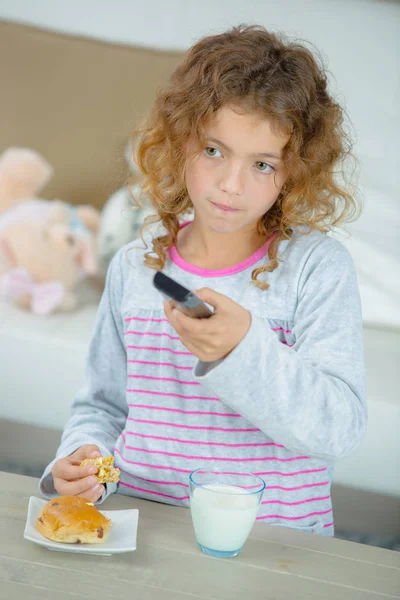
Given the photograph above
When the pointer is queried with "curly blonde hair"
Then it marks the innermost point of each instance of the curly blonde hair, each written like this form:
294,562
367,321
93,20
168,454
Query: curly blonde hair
278,79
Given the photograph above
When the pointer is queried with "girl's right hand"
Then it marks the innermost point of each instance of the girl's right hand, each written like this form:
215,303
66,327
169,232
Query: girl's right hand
70,479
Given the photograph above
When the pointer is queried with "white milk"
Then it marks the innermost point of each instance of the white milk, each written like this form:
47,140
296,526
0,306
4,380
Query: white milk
223,516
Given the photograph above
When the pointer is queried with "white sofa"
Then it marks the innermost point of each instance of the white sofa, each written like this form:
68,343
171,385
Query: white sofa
43,361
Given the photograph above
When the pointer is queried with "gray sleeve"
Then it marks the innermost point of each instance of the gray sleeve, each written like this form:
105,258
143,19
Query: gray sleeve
311,397
99,410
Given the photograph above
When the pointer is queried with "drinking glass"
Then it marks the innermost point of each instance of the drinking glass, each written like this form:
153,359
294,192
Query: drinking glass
224,506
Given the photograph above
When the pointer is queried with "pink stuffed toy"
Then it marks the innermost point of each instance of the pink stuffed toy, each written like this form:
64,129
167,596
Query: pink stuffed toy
46,246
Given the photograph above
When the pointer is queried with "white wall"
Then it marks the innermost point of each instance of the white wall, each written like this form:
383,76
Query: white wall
360,41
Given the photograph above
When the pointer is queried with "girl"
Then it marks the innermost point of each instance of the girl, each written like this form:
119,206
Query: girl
248,140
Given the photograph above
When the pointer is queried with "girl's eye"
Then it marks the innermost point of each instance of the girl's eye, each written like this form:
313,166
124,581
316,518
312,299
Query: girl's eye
264,167
212,151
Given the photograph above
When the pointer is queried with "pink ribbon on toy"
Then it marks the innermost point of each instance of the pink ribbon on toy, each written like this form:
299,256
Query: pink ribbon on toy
45,297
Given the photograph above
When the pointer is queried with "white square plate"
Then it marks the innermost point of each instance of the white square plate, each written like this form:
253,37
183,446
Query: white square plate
122,536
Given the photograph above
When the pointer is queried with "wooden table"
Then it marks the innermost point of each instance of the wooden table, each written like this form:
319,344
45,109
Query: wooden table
276,563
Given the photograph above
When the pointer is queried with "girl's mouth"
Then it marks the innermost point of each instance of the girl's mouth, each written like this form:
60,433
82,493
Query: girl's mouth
225,208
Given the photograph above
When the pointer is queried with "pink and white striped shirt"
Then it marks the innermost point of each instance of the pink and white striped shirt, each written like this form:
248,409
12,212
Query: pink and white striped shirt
285,404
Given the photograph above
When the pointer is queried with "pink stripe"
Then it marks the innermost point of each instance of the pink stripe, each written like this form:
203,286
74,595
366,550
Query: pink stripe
316,499
156,349
165,379
139,489
299,487
174,395
329,524
287,344
171,337
178,470
159,364
305,472
198,443
321,512
184,412
150,466
241,473
145,320
166,423
218,458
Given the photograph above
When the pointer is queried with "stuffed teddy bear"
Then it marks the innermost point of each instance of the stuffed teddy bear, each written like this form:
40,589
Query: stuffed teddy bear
120,223
46,246
121,219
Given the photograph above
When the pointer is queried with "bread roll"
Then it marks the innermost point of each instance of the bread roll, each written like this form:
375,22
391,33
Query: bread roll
73,520
106,472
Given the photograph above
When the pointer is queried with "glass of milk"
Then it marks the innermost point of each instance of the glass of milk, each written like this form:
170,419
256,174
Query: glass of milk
224,506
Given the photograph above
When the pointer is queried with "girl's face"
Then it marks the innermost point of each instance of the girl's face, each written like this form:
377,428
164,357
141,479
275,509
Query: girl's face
237,176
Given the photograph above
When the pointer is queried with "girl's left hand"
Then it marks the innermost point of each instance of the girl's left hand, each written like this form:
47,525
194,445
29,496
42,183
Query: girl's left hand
213,338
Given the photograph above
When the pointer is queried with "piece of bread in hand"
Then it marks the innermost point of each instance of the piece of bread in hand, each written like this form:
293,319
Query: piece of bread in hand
106,472
73,520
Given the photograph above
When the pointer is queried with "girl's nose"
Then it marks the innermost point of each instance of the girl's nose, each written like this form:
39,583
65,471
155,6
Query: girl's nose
232,181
